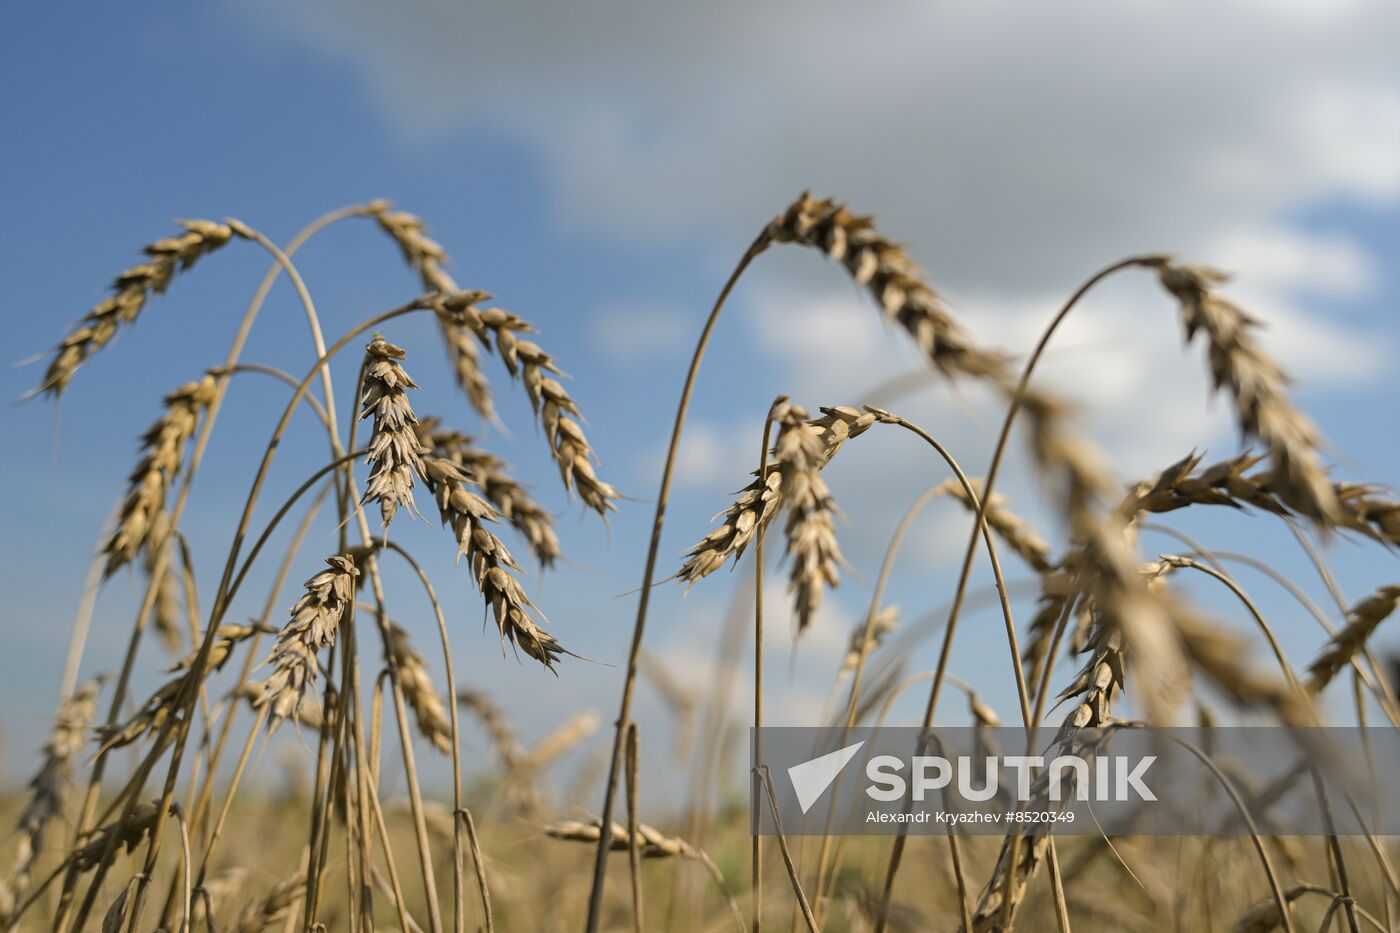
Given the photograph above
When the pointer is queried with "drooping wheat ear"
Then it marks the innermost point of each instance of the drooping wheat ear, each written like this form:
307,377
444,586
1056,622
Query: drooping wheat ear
1360,507
427,257
1057,590
259,915
162,453
1133,623
49,787
490,475
492,567
1012,529
393,447
130,291
423,698
893,280
1222,657
518,789
1103,562
757,504
1369,509
858,646
129,834
497,726
682,702
653,843
165,613
569,734
315,621
558,414
1259,386
1362,621
1265,916
1225,483
220,889
811,525
153,713
311,715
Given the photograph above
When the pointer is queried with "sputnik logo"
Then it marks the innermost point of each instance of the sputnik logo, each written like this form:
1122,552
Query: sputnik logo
811,778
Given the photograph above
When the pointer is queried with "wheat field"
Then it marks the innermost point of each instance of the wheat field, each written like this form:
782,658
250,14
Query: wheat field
144,813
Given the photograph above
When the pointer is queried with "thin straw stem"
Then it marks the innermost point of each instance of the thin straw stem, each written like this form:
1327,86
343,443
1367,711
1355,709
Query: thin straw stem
600,861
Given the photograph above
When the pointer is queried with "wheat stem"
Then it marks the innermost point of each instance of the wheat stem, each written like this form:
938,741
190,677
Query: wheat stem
756,844
600,862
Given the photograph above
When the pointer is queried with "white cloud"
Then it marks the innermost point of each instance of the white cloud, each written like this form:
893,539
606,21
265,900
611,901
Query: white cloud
1012,151
1289,259
1015,156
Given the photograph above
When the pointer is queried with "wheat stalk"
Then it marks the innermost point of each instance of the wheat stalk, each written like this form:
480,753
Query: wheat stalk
131,289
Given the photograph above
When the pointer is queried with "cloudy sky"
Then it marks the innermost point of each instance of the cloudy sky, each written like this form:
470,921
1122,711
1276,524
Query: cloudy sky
599,167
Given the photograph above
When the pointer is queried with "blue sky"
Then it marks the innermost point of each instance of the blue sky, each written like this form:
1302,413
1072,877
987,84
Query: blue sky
599,167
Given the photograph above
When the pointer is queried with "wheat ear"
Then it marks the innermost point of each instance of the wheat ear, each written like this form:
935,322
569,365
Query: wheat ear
1259,386
761,500
393,446
490,475
491,565
130,292
50,786
315,621
811,526
427,257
